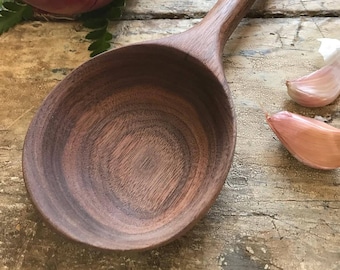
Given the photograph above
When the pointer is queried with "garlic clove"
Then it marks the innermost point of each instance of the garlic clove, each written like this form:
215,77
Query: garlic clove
319,88
312,142
329,47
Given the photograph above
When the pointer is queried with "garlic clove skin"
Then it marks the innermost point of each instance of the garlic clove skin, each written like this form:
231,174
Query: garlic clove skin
312,142
319,88
329,47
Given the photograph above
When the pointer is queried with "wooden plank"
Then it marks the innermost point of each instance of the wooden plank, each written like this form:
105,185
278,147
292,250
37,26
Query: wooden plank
147,9
273,212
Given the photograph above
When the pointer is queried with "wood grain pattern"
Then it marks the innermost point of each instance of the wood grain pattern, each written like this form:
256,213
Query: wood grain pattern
133,147
129,161
272,212
146,9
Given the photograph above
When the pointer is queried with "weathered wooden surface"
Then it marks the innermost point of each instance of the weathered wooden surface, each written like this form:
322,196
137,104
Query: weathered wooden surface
192,9
273,212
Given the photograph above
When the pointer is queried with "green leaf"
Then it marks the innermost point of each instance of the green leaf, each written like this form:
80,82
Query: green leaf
5,13
99,45
96,52
27,13
107,36
118,3
98,21
100,49
114,13
11,6
95,23
4,1
99,34
96,34
12,13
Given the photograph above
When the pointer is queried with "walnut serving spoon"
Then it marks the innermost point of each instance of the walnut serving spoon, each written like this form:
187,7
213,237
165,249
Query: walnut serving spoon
132,148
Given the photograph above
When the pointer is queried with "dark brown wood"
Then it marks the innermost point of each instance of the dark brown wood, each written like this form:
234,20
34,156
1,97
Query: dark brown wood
132,148
206,40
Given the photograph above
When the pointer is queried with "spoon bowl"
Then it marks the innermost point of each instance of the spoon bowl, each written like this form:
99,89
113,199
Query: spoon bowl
132,148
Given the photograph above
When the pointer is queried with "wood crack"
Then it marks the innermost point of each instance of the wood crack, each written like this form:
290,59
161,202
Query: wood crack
252,15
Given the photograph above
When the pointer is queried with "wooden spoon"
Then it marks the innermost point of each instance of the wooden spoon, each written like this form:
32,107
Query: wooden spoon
132,148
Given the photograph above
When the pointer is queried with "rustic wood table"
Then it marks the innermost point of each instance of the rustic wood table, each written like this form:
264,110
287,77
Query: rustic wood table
273,212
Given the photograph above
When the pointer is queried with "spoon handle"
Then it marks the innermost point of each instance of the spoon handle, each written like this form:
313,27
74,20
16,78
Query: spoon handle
222,19
206,40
